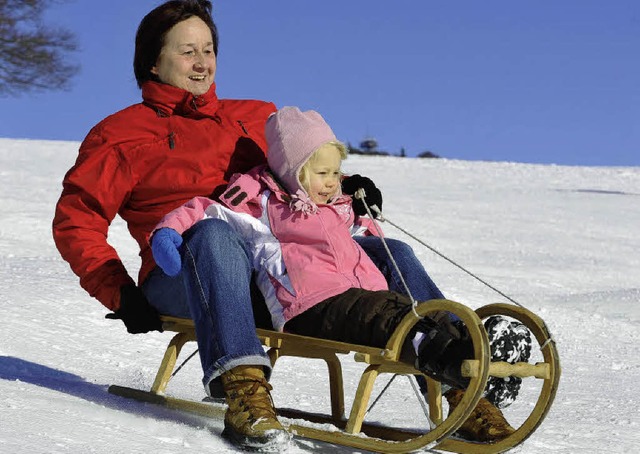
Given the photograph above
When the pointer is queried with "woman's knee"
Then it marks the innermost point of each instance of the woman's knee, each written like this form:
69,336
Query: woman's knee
210,229
213,234
399,247
214,243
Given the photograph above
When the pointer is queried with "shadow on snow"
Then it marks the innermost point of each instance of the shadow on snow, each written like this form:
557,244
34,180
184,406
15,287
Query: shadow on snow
17,369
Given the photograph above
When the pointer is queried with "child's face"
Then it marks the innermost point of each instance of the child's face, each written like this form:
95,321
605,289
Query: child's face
324,174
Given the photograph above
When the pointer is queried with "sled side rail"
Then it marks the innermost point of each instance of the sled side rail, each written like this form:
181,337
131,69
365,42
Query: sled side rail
276,339
306,344
470,368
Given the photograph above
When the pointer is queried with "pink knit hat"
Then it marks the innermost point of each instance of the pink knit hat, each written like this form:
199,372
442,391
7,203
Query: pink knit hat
292,137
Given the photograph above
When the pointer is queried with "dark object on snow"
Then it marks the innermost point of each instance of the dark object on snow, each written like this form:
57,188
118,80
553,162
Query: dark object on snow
428,154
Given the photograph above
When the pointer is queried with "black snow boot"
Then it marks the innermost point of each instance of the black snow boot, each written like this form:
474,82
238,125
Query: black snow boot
441,352
510,341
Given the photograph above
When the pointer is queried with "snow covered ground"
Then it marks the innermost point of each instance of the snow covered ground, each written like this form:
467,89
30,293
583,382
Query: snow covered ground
563,241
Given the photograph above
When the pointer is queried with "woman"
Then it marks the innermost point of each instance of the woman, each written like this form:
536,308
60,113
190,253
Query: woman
140,163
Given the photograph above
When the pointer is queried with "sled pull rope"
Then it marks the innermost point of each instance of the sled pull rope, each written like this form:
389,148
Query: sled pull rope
183,363
432,249
373,404
421,399
360,194
382,218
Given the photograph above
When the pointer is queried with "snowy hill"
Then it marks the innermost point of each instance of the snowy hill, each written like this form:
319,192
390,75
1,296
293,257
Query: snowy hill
562,241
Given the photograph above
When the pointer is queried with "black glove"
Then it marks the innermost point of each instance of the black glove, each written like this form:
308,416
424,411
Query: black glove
373,196
135,311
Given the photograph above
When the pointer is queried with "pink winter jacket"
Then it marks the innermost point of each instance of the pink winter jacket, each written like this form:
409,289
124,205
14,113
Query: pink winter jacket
302,253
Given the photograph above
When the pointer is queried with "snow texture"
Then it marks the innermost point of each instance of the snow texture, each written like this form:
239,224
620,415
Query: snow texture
559,240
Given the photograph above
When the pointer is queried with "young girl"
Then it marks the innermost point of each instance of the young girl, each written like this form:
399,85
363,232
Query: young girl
315,278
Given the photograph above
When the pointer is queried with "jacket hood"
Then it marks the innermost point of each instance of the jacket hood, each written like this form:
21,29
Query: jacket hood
292,137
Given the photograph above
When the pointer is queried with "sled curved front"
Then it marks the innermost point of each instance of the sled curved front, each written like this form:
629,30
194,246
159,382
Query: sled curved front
549,373
388,360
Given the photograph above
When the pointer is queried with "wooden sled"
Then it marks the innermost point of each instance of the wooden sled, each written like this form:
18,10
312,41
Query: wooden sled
354,431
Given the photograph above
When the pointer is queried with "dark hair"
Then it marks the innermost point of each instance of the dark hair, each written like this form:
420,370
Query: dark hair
154,28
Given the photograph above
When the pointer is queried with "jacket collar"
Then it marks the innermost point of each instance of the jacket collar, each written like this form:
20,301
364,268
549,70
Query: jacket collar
168,100
300,201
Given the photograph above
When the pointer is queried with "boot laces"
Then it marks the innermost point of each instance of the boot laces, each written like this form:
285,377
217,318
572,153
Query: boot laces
485,421
488,416
254,397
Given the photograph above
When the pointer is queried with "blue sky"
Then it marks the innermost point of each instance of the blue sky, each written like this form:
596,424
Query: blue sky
546,81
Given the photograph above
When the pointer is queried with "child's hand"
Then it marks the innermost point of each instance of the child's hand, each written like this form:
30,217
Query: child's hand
164,245
373,196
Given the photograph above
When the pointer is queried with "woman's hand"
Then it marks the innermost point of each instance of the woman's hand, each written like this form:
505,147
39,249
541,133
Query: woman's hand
135,311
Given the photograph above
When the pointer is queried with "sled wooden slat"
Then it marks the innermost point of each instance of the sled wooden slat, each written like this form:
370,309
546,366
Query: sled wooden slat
199,408
169,360
470,368
354,431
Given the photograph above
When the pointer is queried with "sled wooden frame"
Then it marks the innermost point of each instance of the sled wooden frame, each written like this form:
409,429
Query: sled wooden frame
354,431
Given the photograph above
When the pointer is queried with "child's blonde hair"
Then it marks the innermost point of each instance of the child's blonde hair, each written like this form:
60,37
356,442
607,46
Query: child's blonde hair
304,170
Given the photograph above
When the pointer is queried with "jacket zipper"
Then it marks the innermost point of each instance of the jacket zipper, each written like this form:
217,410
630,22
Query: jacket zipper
170,137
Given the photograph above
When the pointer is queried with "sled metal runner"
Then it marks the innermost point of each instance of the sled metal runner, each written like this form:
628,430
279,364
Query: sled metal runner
354,431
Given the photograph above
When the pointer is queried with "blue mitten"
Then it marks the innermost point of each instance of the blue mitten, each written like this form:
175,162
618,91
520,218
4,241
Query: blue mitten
164,245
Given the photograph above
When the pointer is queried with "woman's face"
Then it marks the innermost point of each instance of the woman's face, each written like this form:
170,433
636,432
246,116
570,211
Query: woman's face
187,60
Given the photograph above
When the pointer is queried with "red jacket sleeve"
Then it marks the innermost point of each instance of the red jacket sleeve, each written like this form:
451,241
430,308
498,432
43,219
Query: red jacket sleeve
94,189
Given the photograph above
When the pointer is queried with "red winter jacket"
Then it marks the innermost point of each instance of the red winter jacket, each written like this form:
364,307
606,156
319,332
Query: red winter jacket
143,162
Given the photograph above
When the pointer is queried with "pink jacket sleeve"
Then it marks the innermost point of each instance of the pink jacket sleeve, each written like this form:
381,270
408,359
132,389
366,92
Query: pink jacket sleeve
364,226
185,216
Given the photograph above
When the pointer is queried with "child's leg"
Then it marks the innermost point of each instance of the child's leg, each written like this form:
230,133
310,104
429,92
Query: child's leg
365,317
356,316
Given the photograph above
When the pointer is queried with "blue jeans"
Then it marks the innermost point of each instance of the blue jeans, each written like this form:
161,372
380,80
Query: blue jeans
213,289
420,285
415,276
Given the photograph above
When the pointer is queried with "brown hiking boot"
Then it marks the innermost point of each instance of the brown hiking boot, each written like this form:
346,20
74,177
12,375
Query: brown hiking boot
486,423
251,421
